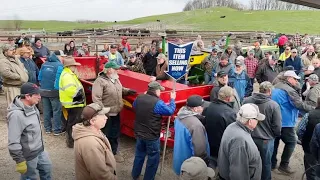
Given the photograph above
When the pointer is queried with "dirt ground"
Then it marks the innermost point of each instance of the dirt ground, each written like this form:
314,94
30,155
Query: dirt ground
63,158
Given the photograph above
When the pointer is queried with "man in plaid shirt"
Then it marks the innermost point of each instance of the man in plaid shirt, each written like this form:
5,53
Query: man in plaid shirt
252,67
297,40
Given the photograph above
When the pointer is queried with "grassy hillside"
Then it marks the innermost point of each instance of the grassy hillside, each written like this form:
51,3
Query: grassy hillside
208,19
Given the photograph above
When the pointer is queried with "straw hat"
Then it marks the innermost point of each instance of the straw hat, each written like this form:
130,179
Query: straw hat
70,61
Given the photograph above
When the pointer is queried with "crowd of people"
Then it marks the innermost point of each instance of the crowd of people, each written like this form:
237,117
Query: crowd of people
233,136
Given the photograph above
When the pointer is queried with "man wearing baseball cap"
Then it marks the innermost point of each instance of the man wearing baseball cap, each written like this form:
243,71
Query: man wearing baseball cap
268,70
238,154
114,56
71,94
25,141
135,64
49,76
108,91
190,135
84,50
313,90
286,94
149,109
93,153
208,63
162,66
196,168
13,73
295,61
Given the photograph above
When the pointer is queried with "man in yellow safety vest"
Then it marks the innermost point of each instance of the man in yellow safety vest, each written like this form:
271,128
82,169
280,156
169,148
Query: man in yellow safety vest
72,95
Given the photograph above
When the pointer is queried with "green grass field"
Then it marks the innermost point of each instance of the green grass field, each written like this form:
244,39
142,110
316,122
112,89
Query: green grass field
208,19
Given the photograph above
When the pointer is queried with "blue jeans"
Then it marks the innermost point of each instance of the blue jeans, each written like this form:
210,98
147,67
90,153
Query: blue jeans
265,148
52,109
288,136
42,163
250,88
207,78
143,148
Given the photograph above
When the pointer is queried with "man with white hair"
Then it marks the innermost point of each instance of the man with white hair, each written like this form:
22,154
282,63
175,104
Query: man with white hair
313,90
239,157
286,94
308,56
266,131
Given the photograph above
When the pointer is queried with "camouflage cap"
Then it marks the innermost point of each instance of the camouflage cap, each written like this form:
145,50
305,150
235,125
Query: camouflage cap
7,47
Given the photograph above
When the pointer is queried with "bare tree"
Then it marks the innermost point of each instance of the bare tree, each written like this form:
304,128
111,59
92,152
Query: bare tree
17,23
274,5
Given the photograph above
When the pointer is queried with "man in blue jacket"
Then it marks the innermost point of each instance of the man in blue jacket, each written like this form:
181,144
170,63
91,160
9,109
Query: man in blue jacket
286,94
190,134
149,109
49,76
295,61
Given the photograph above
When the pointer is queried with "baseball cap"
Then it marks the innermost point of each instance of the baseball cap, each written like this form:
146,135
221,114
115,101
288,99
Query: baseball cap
314,78
195,101
84,43
251,111
309,68
29,88
240,58
251,51
132,55
221,74
113,46
291,73
59,53
214,50
112,65
238,63
154,85
161,56
92,110
196,168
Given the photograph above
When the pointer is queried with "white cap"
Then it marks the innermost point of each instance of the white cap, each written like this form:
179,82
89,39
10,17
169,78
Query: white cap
310,68
240,58
291,73
251,111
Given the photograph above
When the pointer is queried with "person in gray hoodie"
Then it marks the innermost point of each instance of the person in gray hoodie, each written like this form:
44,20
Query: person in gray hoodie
267,130
239,157
25,140
190,134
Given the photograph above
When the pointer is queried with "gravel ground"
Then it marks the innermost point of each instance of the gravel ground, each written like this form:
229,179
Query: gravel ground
63,158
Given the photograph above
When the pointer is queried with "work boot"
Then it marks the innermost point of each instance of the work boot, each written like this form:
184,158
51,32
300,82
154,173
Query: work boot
285,169
118,158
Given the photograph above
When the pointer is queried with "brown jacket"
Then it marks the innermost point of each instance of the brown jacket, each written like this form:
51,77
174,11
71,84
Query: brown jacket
160,72
94,159
13,72
108,94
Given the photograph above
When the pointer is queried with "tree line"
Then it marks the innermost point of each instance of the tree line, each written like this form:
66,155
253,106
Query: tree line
253,5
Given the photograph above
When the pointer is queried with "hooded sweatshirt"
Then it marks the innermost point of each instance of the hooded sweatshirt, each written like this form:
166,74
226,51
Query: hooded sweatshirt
271,126
190,138
24,131
94,159
49,76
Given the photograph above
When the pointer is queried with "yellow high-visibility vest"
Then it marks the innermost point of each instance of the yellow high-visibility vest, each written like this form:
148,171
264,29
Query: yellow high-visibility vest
69,86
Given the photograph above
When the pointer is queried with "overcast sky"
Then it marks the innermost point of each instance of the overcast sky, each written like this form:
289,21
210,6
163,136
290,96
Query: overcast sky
105,10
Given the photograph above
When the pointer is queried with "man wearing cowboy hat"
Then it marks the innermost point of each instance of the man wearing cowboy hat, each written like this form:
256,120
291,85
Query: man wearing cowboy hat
29,64
71,95
12,72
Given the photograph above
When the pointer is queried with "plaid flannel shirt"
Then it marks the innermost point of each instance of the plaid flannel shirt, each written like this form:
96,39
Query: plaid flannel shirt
252,67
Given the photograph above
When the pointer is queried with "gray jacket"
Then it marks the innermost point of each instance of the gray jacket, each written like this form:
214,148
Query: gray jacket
313,95
295,96
192,121
271,126
24,131
239,158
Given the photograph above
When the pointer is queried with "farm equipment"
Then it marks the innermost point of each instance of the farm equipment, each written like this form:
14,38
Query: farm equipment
90,66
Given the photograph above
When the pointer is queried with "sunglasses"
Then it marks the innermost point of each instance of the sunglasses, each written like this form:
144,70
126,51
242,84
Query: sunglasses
287,49
293,52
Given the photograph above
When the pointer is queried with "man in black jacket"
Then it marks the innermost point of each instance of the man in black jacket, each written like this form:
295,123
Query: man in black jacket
150,61
268,71
309,159
218,116
266,131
